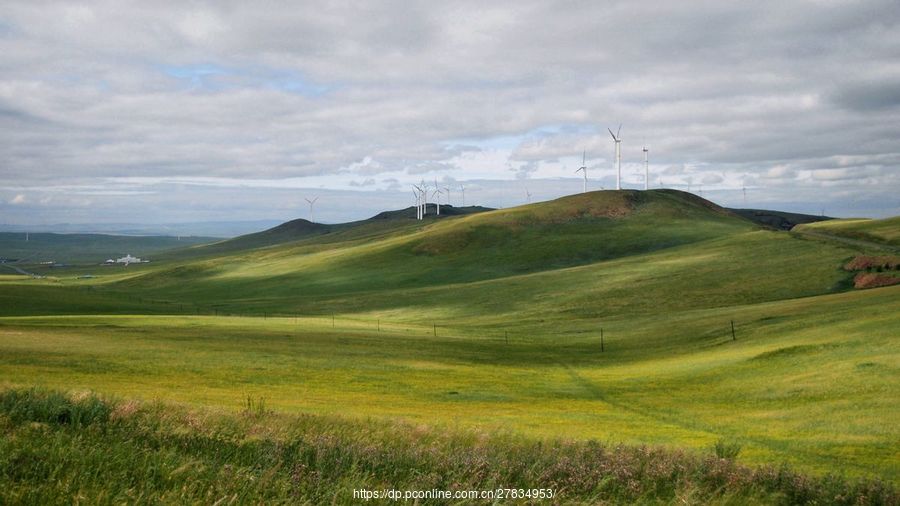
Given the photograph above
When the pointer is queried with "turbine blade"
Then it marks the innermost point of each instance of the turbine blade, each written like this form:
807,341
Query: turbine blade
619,131
613,135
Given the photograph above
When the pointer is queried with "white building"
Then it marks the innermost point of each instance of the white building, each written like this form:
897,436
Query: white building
128,259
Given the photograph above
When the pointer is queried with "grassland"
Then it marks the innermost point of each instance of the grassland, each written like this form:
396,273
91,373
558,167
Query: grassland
491,322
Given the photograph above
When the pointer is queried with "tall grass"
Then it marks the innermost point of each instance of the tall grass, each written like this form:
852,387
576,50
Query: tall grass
128,452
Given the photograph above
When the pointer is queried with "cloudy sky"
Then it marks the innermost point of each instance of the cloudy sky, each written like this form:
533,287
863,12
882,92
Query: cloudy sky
154,112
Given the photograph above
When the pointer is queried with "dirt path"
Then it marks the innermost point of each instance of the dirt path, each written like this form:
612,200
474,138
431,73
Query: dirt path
19,269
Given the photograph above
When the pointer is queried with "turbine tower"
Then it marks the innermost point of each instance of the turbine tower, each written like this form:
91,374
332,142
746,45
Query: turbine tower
437,199
420,202
311,202
424,190
646,169
616,137
418,193
583,168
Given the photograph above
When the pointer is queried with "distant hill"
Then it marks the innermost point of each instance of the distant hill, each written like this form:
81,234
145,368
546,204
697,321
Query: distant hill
85,248
446,211
403,252
301,229
778,219
220,229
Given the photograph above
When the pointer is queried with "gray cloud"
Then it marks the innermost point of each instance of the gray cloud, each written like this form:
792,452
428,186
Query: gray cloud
224,92
869,96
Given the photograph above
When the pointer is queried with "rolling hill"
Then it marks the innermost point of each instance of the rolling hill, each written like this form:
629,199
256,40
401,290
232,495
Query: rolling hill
884,231
567,232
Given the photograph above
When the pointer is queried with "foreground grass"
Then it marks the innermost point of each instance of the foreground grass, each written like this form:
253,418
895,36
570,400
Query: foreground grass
59,448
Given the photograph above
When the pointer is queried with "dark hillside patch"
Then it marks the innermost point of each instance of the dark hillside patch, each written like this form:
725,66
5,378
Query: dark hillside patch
778,220
446,211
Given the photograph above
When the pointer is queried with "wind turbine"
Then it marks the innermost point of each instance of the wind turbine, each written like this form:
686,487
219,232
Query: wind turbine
646,168
424,190
583,168
527,196
618,140
463,190
415,192
447,189
311,202
437,199
420,199
745,195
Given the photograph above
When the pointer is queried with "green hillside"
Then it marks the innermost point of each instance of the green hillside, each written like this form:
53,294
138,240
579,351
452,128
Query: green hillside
885,231
493,322
571,231
301,229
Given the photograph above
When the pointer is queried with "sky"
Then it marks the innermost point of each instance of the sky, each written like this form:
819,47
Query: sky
163,112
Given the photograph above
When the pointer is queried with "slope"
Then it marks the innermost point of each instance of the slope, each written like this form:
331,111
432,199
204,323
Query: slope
571,231
304,230
884,231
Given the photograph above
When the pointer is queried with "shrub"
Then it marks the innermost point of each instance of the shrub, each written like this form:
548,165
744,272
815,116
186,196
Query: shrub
53,407
727,450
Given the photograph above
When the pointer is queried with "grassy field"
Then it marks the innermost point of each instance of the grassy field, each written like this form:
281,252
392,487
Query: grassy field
492,323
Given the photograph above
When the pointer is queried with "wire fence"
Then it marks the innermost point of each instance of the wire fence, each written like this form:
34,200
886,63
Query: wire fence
369,324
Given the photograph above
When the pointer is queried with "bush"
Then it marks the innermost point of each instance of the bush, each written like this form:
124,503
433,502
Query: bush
53,407
727,450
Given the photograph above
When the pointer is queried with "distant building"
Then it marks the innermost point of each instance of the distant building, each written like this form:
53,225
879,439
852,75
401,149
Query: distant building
128,259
